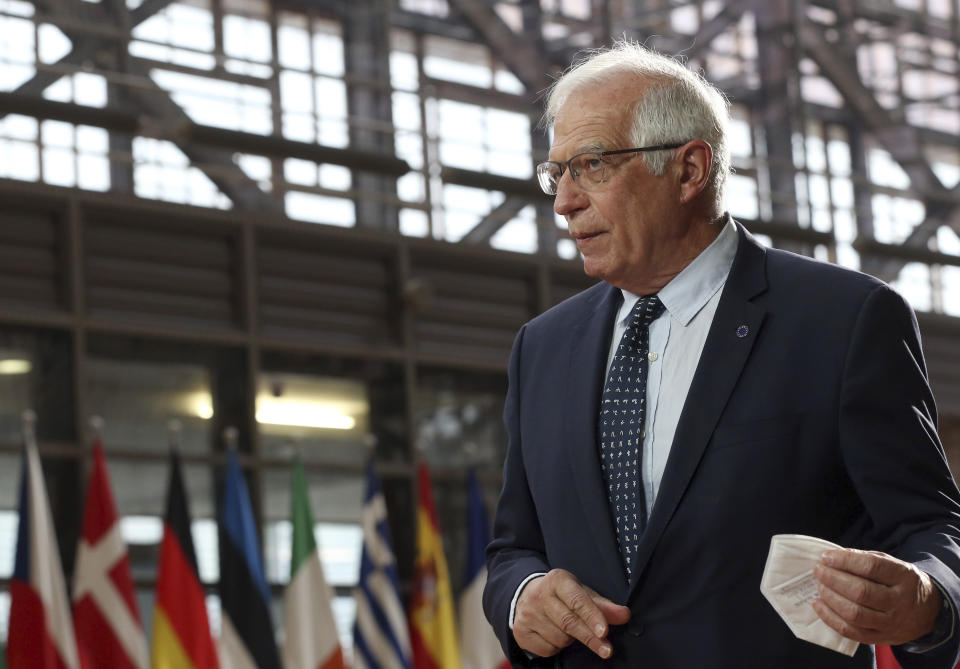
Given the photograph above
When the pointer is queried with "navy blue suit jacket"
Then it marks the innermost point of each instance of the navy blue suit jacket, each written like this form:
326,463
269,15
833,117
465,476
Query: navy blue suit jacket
819,421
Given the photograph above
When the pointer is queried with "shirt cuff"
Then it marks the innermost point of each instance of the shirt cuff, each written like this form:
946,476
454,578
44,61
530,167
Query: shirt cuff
942,627
516,595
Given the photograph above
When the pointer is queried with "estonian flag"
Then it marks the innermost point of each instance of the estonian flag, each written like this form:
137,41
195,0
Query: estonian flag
246,636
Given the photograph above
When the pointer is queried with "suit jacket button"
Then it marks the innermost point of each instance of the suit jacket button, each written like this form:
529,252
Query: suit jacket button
635,627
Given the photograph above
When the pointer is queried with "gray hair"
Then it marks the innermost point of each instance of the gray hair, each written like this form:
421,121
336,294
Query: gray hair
678,104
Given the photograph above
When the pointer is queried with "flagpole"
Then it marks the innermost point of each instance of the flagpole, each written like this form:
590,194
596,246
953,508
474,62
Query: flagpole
96,424
231,436
41,630
174,432
96,427
28,422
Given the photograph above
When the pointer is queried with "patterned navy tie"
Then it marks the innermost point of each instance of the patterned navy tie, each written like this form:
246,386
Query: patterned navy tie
622,414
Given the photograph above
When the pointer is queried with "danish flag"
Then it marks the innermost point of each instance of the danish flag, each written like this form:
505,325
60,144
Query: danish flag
108,628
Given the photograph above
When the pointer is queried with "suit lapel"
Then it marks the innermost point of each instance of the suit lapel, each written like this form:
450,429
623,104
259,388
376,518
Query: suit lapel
586,371
735,327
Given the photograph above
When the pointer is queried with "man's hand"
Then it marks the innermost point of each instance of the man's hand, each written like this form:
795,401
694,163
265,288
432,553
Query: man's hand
555,610
872,597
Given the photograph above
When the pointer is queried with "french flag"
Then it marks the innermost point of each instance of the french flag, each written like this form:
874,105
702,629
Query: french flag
479,645
41,632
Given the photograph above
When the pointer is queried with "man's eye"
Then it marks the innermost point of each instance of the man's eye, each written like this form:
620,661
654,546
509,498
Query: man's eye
593,164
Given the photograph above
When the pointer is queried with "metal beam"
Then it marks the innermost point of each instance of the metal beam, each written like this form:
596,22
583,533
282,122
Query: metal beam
217,164
707,32
121,120
147,9
891,130
83,49
523,57
777,100
225,174
894,16
280,147
527,188
899,139
499,216
366,42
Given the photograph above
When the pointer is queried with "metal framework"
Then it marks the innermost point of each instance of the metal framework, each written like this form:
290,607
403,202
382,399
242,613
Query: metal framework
406,120
891,67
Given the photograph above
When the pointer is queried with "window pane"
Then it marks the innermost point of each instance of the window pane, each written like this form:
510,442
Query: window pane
325,418
458,417
16,367
137,399
8,538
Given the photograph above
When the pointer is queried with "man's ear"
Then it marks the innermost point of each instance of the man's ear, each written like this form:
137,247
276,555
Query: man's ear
694,159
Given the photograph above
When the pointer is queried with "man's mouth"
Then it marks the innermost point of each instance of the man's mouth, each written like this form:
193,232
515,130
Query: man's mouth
585,236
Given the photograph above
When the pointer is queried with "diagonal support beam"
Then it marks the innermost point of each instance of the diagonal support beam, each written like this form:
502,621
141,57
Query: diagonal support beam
83,49
898,138
728,16
496,219
523,57
147,9
217,164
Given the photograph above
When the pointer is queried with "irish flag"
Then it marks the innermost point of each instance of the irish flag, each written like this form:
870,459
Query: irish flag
311,636
433,631
181,631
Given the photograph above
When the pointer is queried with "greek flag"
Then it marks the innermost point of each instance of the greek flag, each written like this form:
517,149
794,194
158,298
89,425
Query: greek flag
381,638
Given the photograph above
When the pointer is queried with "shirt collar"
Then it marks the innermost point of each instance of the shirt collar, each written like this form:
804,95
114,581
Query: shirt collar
691,289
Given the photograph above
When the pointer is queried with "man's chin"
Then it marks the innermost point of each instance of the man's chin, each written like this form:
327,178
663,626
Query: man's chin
593,269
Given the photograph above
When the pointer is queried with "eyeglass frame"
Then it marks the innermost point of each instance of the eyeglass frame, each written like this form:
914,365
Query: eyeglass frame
564,165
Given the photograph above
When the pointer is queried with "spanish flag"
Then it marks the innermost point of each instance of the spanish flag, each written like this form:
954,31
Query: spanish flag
181,631
433,631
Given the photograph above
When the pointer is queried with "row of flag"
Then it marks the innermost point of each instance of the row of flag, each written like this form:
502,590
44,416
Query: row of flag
101,626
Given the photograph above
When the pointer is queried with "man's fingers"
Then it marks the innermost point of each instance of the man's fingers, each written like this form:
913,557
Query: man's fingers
874,597
857,589
614,614
536,644
556,609
577,598
846,629
871,565
853,613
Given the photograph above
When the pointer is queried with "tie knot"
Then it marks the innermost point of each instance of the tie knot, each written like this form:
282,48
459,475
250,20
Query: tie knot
647,309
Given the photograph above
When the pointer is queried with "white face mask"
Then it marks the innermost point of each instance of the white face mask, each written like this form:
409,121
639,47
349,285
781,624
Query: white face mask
790,587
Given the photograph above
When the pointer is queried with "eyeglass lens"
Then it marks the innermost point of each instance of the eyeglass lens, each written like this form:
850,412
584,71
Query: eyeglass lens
585,168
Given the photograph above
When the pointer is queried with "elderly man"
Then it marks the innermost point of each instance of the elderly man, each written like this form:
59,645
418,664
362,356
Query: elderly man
706,395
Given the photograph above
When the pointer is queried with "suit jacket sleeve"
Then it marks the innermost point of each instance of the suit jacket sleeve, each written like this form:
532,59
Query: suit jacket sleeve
518,548
888,435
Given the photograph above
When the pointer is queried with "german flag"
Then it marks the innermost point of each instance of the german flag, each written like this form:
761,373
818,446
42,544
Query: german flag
181,631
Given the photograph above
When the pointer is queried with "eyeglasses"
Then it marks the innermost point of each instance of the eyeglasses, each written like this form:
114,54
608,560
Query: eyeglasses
587,169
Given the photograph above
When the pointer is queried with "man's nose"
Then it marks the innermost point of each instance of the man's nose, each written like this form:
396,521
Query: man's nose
570,197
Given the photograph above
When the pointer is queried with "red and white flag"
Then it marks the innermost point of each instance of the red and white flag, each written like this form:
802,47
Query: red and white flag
109,631
41,632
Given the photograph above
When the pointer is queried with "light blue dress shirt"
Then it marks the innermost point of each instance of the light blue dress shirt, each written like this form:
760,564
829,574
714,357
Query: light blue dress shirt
676,342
